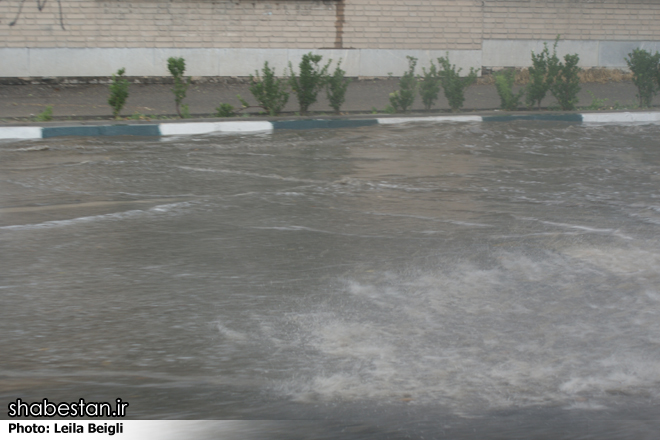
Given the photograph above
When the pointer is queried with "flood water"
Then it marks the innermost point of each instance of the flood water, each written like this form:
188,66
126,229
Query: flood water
473,280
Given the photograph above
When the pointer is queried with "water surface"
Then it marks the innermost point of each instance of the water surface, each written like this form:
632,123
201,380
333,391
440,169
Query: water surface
413,281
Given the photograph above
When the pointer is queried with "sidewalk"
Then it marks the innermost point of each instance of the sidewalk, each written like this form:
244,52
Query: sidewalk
20,103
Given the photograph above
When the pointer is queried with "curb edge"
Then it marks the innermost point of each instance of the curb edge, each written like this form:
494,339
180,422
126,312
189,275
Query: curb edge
192,128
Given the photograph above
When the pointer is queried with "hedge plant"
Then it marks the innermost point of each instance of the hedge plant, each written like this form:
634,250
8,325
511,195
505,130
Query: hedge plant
269,91
646,74
453,85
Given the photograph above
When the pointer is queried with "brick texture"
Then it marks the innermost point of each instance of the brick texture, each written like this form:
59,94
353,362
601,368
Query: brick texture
176,23
413,24
613,20
309,24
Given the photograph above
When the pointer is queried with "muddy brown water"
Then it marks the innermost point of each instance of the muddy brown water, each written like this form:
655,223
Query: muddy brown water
418,281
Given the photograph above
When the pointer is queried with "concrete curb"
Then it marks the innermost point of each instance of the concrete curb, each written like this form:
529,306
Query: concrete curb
190,128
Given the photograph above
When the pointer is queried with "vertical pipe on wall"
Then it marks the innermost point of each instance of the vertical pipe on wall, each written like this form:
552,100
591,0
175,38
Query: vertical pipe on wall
339,25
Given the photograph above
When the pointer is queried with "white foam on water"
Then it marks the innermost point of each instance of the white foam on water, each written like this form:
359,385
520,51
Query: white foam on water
621,375
247,173
320,231
586,229
618,260
532,330
654,295
123,215
232,335
421,217
290,194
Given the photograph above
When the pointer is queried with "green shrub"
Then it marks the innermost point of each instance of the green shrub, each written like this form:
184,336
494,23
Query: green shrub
403,98
596,103
566,84
46,115
269,92
137,116
429,86
310,81
337,85
177,66
225,110
504,83
185,111
453,85
118,92
542,74
646,74
243,102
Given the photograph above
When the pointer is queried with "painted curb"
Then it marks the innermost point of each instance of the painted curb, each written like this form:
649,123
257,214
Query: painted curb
571,117
20,132
102,130
386,121
214,127
307,124
620,118
237,127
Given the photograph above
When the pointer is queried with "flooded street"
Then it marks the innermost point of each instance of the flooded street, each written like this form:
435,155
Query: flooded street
411,281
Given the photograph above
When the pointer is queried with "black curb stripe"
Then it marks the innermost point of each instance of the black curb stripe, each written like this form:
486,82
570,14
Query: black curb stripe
306,124
571,117
102,130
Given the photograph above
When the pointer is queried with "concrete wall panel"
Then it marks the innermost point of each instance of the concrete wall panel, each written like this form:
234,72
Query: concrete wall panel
68,62
613,53
518,53
15,62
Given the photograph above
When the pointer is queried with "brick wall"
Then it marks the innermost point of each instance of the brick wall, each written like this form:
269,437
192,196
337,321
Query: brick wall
308,24
413,24
176,23
574,19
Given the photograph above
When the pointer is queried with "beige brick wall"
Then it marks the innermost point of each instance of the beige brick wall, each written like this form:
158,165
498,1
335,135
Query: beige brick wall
176,23
311,24
612,20
413,24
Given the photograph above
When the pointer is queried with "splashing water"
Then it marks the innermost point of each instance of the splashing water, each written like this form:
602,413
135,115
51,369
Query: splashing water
388,274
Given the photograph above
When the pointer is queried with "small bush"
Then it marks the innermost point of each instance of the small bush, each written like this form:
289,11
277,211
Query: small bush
137,116
429,86
46,115
177,66
185,111
225,110
336,88
243,102
542,74
504,83
646,74
311,80
566,84
453,85
403,98
596,103
118,92
269,92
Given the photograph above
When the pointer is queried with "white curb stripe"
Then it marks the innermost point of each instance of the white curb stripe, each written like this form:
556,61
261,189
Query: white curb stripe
244,126
385,121
621,117
211,127
187,128
20,132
